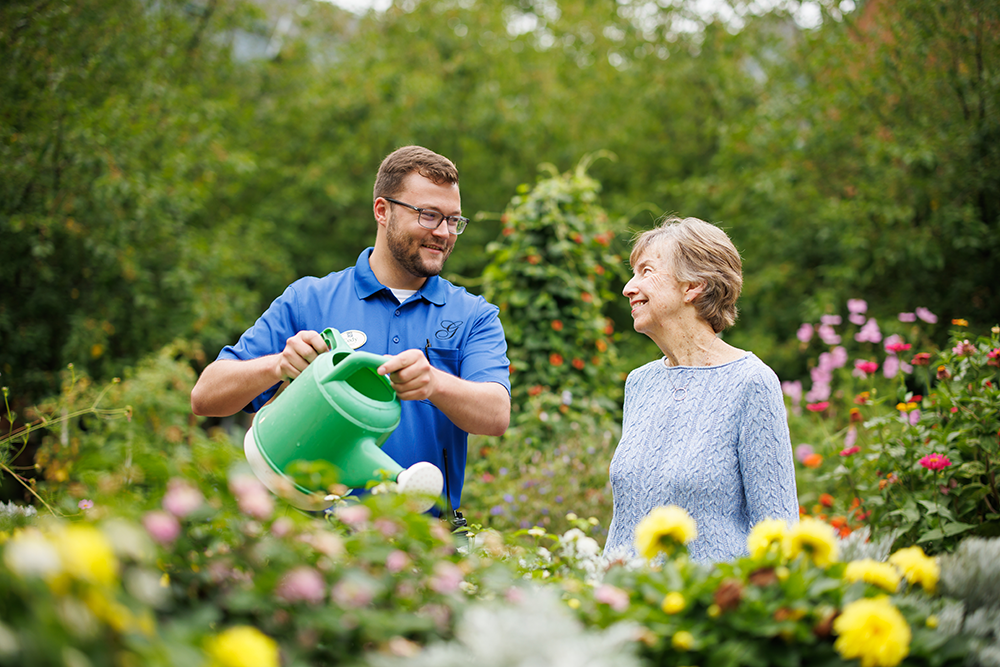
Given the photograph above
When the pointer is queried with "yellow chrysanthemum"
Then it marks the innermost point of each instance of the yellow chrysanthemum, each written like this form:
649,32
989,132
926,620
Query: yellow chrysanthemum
767,533
917,567
663,530
673,603
242,646
883,575
682,640
87,555
812,537
874,631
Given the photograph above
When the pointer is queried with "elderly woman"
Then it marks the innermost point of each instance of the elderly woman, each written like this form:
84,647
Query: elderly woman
704,427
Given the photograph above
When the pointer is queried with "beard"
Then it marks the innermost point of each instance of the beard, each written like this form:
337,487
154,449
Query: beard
405,249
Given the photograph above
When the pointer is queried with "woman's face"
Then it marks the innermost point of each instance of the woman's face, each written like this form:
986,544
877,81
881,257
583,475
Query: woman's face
653,293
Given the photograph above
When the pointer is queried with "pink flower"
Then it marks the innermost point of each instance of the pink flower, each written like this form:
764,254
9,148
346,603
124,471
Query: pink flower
447,577
869,333
302,584
802,452
820,391
857,306
893,365
354,516
805,333
926,315
850,439
282,527
863,368
793,390
907,317
162,527
181,498
897,347
252,496
838,357
352,593
935,462
612,596
964,348
85,504
828,335
396,561
913,416
830,320
854,449
818,407
857,318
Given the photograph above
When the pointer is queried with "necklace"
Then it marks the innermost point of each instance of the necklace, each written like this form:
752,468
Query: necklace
680,393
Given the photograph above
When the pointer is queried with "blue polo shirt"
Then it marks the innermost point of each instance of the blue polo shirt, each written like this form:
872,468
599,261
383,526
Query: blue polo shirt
458,332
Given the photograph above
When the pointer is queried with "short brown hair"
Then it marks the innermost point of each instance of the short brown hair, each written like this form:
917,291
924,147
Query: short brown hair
404,161
699,252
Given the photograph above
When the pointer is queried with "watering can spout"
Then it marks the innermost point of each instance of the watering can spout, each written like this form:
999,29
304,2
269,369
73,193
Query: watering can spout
338,412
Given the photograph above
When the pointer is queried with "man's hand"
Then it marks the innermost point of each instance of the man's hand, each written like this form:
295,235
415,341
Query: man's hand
411,375
300,351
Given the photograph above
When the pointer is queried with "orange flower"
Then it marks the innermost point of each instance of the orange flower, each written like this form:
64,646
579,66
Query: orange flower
556,359
862,398
855,502
535,391
586,297
960,323
599,270
534,259
826,500
856,415
838,521
844,531
812,461
601,346
578,364
557,325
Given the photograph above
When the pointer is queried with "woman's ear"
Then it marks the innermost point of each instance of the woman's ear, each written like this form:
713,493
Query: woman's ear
693,291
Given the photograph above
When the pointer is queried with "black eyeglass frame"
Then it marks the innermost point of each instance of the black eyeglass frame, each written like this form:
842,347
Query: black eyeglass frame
460,221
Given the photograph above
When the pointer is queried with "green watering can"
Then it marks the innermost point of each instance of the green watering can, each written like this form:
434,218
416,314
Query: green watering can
339,411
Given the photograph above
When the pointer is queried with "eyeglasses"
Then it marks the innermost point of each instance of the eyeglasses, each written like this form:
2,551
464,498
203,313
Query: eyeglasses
429,219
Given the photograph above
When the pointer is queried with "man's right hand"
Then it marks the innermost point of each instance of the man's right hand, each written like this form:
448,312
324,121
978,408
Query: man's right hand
300,351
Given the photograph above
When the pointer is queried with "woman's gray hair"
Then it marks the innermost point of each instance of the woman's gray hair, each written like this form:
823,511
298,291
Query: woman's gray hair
699,252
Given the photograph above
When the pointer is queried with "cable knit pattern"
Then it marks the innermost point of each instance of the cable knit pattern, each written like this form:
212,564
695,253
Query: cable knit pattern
713,440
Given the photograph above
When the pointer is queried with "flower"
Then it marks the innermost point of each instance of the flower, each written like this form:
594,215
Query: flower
242,646
917,567
897,346
673,603
827,334
817,407
764,535
848,451
907,317
964,348
935,462
943,373
578,364
663,529
926,315
682,640
960,322
557,325
181,498
162,526
812,537
802,451
355,516
874,631
252,496
994,357
826,500
883,575
85,504
612,596
447,577
906,407
869,332
396,561
812,461
30,554
805,333
857,306
302,584
556,359
921,359
863,368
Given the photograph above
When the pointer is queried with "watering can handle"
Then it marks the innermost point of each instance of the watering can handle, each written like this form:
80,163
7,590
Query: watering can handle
354,362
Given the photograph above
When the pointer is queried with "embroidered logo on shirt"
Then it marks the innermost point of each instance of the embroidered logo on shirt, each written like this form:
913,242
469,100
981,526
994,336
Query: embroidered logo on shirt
448,329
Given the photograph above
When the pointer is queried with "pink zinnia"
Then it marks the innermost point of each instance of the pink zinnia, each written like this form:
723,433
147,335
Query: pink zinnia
926,315
897,347
866,367
818,407
854,449
935,462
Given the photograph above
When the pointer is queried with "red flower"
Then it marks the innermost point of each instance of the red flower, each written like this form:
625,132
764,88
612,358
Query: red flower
867,367
557,325
535,391
578,364
850,450
935,462
921,359
898,347
826,500
855,415
556,359
862,398
818,407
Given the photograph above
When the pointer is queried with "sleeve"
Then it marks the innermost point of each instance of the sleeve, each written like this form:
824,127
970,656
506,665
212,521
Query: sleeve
484,354
267,336
765,452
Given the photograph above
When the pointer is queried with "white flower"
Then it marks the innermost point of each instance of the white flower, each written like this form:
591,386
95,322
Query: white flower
29,554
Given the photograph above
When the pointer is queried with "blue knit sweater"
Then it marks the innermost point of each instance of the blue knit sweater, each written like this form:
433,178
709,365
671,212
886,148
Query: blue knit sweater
713,440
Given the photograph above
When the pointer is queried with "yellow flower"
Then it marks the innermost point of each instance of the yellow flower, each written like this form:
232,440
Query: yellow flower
673,603
663,529
873,572
87,555
874,631
573,603
917,567
767,533
813,537
242,646
682,640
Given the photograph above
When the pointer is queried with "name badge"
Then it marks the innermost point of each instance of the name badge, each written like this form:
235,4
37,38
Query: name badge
354,338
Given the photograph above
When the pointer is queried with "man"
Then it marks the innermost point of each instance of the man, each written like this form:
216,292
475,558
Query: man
447,350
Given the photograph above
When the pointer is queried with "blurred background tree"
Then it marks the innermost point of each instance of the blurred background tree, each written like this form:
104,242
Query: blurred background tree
166,169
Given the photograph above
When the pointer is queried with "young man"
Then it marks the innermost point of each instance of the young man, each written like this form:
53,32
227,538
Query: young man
447,350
